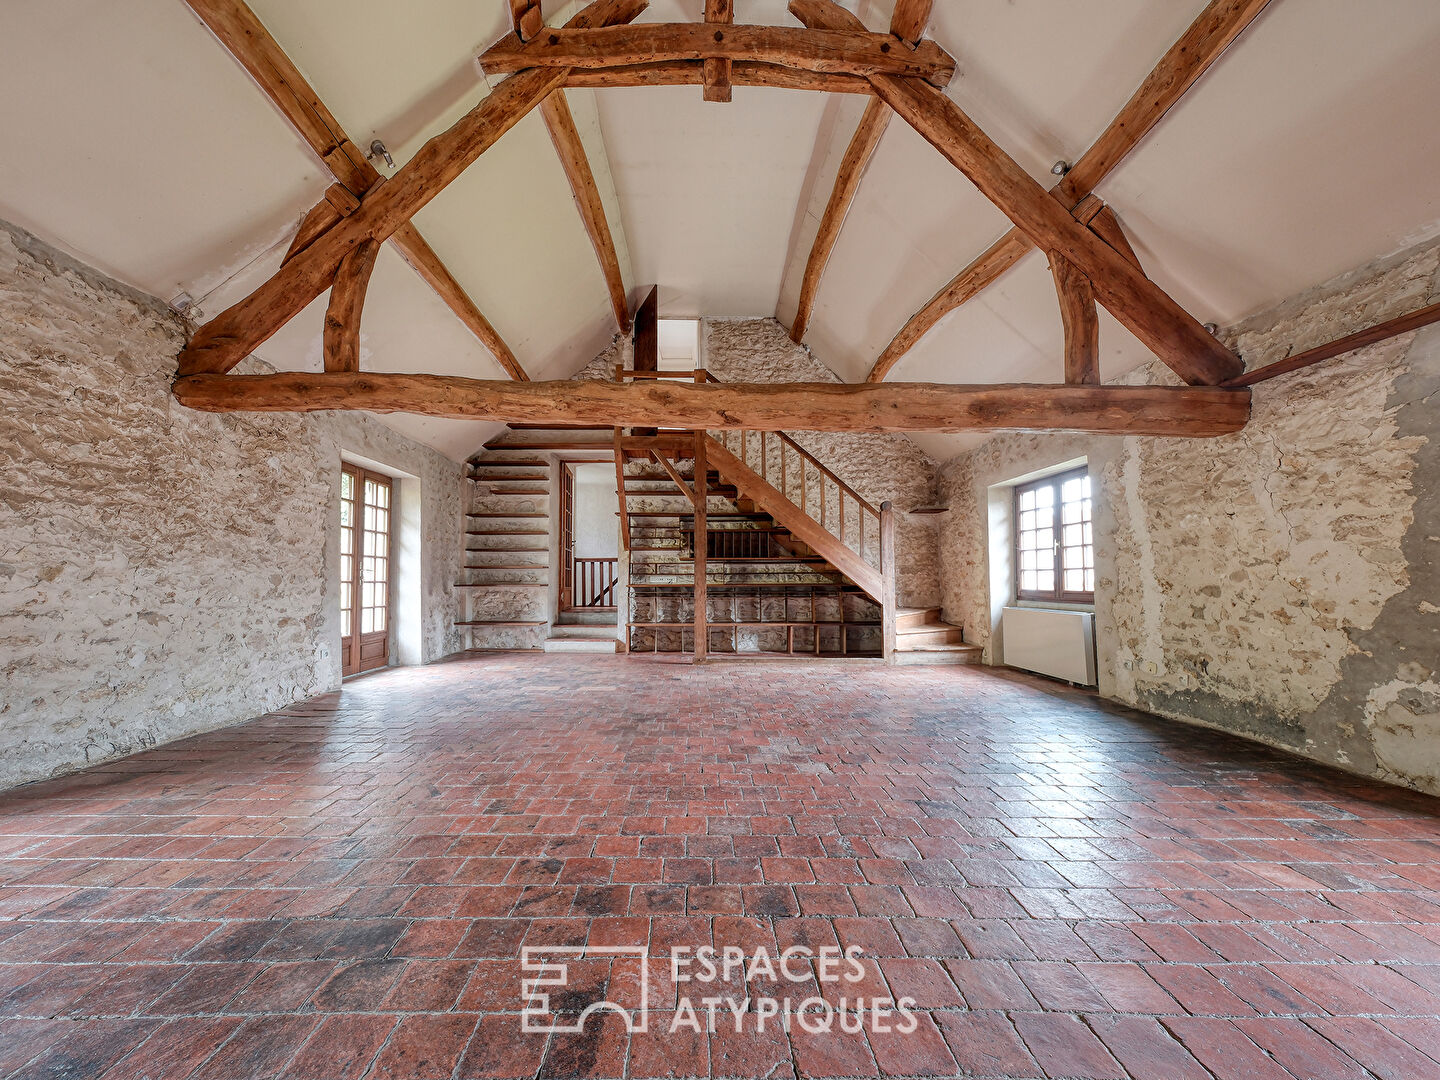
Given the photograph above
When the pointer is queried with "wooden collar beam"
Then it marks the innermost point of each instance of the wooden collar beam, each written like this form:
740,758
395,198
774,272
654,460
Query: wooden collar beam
848,51
742,73
1122,410
1211,34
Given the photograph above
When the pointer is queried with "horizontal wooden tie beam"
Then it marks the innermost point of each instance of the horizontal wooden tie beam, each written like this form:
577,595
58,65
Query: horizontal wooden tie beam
692,73
1126,410
851,52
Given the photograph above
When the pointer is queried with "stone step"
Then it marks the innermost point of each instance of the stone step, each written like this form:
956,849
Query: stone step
938,654
909,617
579,632
936,633
581,645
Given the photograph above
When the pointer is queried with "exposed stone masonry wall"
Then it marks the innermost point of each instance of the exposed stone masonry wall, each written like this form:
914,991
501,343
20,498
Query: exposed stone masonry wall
1283,582
164,571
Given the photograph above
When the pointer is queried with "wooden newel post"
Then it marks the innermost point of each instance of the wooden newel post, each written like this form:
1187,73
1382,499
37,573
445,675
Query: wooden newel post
887,572
702,541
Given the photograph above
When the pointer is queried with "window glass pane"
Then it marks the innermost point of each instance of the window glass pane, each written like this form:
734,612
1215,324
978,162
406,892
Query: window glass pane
1045,496
1045,581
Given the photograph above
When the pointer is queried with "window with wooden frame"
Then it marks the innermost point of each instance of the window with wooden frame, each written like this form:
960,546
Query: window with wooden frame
1054,539
365,522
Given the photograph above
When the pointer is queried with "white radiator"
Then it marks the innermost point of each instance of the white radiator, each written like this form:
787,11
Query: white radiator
1056,643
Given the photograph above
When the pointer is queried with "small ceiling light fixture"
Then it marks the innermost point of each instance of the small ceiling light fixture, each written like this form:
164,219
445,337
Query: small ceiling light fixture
1060,168
377,150
1213,329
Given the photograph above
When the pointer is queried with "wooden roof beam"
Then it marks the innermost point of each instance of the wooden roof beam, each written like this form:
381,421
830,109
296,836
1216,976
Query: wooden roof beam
347,299
385,209
847,182
910,19
742,73
848,51
717,69
1128,410
1191,56
1164,327
245,36
566,137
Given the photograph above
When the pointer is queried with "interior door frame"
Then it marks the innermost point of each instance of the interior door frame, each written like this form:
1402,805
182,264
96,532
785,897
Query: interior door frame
353,643
567,537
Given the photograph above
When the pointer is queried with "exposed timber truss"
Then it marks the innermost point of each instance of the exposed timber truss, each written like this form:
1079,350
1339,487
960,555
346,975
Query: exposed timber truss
901,72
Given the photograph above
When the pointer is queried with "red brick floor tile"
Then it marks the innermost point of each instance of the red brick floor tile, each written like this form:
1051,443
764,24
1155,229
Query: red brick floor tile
759,1049
1377,1049
902,1051
341,1048
986,1044
1300,1049
1146,1049
424,1047
925,981
659,1052
383,853
990,984
831,1052
599,1050
1223,1048
500,1050
261,1048
89,1050
1064,1046
176,1049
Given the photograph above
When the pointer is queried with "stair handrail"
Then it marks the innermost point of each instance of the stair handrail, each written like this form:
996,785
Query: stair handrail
863,506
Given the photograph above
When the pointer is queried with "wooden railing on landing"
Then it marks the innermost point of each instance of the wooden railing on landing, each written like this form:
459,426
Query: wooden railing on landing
595,582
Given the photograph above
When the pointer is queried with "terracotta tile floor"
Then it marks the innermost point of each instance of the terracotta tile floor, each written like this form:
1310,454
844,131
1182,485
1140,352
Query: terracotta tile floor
342,889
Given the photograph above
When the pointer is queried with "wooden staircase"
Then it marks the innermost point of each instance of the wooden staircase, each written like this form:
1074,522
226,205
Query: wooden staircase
922,637
769,593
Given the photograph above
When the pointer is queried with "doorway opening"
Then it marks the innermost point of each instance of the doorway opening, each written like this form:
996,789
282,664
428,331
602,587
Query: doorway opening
366,521
589,537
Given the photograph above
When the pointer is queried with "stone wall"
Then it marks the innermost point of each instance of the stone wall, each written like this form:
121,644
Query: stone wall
1281,582
163,571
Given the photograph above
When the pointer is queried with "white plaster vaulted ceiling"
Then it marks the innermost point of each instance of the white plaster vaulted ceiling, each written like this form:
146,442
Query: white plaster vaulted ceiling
135,141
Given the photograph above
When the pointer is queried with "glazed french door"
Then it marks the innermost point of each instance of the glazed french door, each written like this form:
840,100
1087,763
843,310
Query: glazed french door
365,501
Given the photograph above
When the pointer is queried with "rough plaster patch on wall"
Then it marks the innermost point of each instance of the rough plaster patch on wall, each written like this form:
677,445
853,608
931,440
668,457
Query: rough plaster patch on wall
879,467
1294,566
163,571
1270,545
